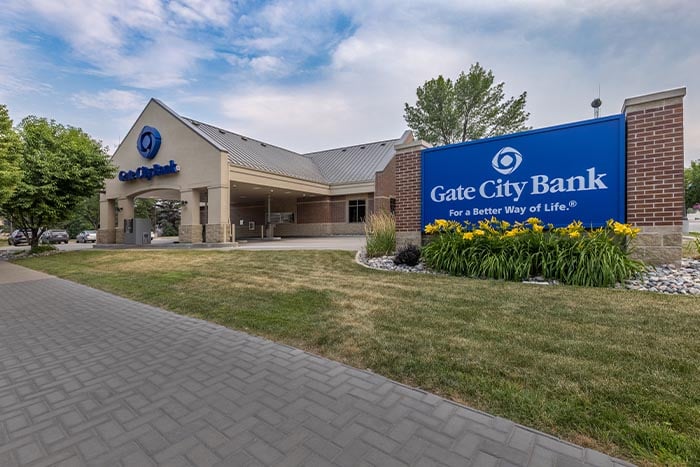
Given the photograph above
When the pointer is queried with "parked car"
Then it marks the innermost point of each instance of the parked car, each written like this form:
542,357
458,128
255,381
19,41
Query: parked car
86,236
18,238
54,236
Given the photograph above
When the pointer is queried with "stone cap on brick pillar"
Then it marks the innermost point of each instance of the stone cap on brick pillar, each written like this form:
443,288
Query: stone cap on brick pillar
413,145
657,99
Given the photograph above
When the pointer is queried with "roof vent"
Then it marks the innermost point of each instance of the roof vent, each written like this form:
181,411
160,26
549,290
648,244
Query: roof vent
222,132
383,144
362,147
263,144
244,138
343,150
195,123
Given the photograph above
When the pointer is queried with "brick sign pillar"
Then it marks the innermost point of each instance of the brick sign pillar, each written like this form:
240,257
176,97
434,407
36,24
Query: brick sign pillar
408,192
655,197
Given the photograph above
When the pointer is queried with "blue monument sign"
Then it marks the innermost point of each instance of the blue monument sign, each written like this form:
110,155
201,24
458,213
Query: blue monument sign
558,174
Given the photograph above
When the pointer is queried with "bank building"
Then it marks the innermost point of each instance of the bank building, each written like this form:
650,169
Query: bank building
234,187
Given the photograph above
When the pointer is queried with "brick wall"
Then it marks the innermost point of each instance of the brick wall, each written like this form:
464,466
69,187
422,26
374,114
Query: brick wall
385,186
655,156
408,164
314,210
408,186
328,209
655,166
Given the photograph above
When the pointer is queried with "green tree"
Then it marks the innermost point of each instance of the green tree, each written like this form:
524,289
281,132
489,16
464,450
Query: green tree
145,208
469,108
9,155
169,216
691,176
60,166
163,212
86,216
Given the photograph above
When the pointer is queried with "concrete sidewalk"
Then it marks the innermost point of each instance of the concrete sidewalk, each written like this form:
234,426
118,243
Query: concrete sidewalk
88,378
11,274
337,242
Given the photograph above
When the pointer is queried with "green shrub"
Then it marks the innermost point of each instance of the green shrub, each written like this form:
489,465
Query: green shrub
495,249
408,255
39,249
169,230
380,230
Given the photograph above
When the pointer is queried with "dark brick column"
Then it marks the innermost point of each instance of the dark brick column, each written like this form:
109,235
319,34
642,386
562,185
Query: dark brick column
408,194
655,156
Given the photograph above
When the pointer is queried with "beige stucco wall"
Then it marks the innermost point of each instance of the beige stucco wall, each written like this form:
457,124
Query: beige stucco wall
202,167
201,164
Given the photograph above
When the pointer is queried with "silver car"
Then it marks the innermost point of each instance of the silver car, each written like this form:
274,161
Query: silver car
54,236
86,236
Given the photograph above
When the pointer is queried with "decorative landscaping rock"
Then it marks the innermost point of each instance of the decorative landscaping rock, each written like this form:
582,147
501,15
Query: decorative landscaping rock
669,279
387,263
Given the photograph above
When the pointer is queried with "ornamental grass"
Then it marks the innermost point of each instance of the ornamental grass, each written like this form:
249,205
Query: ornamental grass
380,230
498,250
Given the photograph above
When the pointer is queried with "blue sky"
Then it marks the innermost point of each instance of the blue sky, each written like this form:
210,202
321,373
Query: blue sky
315,74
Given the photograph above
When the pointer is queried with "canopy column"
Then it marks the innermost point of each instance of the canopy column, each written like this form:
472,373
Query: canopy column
190,225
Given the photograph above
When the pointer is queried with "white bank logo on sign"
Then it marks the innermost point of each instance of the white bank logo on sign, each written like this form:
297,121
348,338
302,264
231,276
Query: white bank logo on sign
507,160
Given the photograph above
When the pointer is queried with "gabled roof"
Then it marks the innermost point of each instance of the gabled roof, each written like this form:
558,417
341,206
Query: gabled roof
254,154
352,164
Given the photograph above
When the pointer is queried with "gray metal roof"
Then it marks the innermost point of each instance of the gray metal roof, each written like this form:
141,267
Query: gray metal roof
352,164
254,154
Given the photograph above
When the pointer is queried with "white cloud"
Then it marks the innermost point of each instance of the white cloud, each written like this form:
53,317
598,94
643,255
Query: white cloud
268,65
295,114
557,51
216,12
16,74
112,100
137,42
293,79
167,61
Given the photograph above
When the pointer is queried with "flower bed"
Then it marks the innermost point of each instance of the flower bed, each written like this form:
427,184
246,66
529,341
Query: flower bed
496,249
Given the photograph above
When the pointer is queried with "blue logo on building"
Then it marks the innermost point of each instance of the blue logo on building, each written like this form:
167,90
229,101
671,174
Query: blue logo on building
148,142
149,172
559,174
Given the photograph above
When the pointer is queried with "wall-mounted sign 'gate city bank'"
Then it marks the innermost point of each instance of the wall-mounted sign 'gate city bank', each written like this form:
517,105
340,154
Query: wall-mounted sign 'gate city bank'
148,144
559,174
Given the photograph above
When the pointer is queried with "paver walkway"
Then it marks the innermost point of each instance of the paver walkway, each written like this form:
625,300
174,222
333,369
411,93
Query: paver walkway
88,378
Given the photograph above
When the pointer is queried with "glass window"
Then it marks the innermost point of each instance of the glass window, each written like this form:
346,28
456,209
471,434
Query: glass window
356,210
392,205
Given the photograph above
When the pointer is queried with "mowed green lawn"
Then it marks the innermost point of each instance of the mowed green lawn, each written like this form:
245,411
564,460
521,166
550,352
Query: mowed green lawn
614,370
